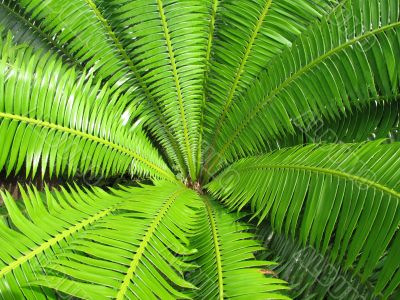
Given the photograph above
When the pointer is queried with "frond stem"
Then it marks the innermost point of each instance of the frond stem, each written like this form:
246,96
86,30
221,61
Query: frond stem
192,171
211,218
143,244
59,237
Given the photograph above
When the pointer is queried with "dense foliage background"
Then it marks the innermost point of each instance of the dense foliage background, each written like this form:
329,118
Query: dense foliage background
206,149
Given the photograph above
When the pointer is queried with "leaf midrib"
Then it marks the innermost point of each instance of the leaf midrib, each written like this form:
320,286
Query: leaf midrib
290,79
215,237
328,171
164,24
117,147
242,65
145,241
51,242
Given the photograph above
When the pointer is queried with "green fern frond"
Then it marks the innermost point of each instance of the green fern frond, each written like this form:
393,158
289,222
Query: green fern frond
341,199
379,119
167,42
248,35
52,117
95,32
285,110
32,237
333,67
75,27
158,124
140,248
24,31
225,255
376,120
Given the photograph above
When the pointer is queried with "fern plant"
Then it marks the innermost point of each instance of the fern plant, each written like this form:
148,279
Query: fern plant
258,140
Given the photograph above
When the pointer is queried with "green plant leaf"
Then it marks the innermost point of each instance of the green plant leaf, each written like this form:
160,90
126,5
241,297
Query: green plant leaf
248,35
52,121
327,72
167,42
340,199
376,120
134,253
228,268
31,237
75,27
181,95
79,40
24,31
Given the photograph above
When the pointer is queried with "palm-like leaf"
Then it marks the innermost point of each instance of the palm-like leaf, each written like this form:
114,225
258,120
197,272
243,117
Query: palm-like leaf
87,31
225,255
23,30
166,41
139,247
75,27
35,235
68,124
135,236
344,60
340,199
376,120
248,35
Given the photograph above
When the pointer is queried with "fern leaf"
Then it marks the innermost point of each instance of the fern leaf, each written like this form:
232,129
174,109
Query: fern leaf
167,41
376,120
41,230
22,29
218,238
140,248
52,117
248,35
341,199
327,72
